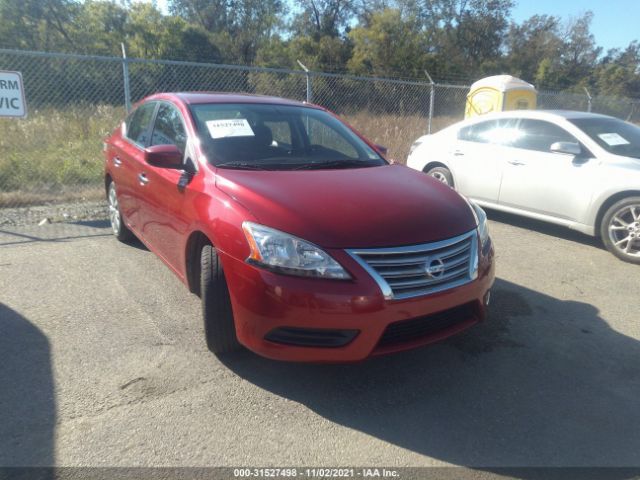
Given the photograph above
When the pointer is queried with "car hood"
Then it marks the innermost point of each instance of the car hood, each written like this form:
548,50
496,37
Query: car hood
351,208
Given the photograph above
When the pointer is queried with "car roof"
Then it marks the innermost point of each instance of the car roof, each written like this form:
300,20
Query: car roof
194,98
541,114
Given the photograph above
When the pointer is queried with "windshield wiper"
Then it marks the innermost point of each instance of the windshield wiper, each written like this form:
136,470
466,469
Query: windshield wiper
241,166
334,164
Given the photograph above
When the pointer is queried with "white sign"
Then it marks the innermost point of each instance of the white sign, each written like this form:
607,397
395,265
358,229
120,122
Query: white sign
237,127
12,102
613,139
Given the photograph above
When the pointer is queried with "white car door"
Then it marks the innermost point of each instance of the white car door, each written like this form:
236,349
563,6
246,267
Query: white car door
476,159
540,181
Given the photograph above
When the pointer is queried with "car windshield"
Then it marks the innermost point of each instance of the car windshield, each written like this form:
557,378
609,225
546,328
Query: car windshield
615,136
278,137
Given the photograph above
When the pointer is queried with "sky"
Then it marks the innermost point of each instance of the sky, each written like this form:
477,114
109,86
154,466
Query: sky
614,25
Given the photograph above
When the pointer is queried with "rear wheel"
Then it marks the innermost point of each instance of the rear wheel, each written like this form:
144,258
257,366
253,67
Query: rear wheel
219,327
442,174
620,229
118,226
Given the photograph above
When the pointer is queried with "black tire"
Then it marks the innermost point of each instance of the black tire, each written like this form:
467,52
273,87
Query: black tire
118,225
219,327
442,174
620,221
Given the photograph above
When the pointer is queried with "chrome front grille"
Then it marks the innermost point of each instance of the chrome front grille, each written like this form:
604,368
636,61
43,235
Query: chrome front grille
415,270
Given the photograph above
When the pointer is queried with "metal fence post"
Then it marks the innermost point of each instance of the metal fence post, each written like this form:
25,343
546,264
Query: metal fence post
431,100
308,75
589,98
125,74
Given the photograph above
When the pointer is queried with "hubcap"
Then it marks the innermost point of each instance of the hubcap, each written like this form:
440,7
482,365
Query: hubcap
114,210
624,230
441,177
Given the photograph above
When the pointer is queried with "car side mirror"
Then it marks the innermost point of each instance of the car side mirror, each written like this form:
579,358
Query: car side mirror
164,156
568,148
382,149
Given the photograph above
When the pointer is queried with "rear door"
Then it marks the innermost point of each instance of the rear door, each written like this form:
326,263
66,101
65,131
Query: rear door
541,181
164,218
127,161
476,158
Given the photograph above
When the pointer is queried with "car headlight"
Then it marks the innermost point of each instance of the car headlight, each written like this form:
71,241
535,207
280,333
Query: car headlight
481,221
284,253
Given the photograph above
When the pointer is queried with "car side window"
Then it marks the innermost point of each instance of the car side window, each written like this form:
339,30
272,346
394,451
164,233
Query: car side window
477,131
495,132
169,128
539,135
322,135
281,131
138,126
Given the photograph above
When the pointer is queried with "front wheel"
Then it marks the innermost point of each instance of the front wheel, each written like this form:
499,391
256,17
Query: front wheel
620,229
442,174
219,327
118,226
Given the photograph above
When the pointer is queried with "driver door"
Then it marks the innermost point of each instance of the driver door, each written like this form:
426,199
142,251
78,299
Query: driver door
163,215
541,181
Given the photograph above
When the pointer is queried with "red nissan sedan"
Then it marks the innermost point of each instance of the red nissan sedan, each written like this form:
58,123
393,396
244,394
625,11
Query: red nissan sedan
302,241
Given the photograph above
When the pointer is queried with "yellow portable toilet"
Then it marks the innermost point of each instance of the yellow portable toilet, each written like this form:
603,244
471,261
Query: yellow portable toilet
498,93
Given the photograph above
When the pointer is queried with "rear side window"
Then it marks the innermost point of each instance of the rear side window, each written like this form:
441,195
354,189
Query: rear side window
539,135
138,125
169,128
495,132
477,132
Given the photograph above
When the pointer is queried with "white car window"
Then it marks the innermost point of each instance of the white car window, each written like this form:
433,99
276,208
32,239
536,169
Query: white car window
539,135
495,132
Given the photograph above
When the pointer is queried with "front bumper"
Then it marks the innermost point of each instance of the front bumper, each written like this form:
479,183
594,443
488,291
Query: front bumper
268,308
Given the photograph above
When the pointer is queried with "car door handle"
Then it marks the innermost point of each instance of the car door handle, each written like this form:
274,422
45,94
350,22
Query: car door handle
517,163
117,162
142,178
458,153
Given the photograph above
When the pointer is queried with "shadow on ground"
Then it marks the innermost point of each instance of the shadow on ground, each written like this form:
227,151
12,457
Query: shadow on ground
543,382
545,228
27,405
60,232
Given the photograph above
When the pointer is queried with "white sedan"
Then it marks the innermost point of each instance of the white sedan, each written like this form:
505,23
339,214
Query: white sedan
576,169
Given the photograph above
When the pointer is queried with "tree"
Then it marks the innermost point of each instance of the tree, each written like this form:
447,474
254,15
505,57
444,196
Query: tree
36,24
530,43
618,73
389,46
238,26
576,58
319,18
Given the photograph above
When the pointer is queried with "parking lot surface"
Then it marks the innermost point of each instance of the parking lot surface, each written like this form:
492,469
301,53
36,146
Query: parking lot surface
103,363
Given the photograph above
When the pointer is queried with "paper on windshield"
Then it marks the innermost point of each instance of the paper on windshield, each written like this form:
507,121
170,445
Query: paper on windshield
613,139
237,127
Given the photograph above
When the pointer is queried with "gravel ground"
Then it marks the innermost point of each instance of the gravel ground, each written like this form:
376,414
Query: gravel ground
54,213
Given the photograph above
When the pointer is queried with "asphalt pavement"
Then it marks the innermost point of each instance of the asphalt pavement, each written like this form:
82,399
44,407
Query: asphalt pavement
103,363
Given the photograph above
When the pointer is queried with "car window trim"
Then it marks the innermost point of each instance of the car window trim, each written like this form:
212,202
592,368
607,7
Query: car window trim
172,105
148,131
586,152
188,149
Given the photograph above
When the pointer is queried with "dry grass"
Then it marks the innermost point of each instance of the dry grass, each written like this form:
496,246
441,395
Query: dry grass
55,155
28,198
395,132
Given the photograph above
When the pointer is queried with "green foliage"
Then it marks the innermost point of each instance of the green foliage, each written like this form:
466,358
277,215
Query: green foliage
452,39
388,45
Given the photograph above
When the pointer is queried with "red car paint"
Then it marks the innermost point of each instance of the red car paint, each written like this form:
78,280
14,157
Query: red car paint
384,206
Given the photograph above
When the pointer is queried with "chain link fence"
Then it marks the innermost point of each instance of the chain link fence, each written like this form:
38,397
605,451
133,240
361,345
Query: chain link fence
54,156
